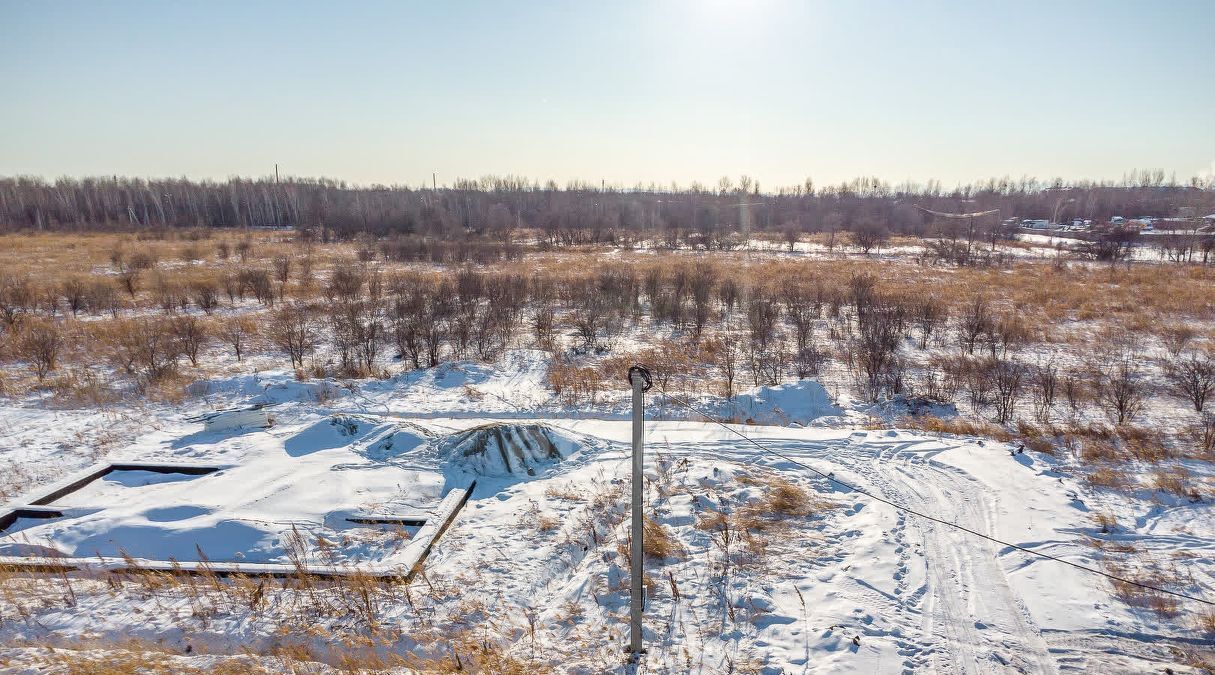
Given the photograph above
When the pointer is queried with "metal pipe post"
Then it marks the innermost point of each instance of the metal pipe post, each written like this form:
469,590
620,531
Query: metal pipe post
640,379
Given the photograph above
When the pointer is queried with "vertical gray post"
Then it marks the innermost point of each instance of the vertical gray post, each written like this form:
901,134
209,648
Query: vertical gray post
639,378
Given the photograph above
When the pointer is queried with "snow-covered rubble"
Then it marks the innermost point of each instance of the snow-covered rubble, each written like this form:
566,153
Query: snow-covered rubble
501,449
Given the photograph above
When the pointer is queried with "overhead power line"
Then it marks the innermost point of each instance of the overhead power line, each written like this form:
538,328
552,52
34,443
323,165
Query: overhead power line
942,214
921,514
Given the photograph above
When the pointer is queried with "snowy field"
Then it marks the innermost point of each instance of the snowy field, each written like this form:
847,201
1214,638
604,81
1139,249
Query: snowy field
756,565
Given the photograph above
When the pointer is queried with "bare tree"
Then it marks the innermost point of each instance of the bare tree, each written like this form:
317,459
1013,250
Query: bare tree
765,353
1120,388
345,283
238,332
973,323
869,235
1192,378
876,345
1203,434
1007,377
929,314
701,287
792,233
724,352
259,283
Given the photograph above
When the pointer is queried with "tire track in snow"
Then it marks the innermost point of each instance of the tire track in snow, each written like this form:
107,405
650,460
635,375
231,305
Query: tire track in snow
970,605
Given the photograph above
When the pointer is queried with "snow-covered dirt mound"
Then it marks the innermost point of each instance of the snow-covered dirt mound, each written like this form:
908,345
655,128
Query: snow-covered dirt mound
371,437
509,449
795,403
403,437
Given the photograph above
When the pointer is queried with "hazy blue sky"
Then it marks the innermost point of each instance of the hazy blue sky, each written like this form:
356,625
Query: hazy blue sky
626,91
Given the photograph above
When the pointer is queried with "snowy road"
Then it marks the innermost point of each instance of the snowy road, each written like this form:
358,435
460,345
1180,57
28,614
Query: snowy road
948,601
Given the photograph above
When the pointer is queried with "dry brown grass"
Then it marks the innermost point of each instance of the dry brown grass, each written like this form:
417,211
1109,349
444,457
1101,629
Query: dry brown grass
566,492
1145,445
1163,605
659,543
133,658
780,499
1175,480
1106,521
959,426
1110,478
574,384
1206,623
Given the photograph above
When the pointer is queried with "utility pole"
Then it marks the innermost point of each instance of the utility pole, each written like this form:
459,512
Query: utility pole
639,377
434,181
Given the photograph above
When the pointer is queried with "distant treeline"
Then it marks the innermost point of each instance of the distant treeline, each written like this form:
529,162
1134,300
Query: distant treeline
496,207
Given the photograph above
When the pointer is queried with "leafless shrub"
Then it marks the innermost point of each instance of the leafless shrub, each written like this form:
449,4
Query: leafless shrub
206,294
102,296
1008,333
168,293
191,335
144,348
701,287
1074,391
869,235
282,269
1203,435
16,298
293,329
244,249
978,374
1045,381
39,341
929,314
358,332
413,322
876,344
723,351
1176,337
345,283
258,282
75,293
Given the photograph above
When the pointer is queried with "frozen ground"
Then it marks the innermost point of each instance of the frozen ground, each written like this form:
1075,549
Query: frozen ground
536,558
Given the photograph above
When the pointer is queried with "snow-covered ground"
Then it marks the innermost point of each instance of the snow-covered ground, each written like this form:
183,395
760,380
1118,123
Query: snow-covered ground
767,566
